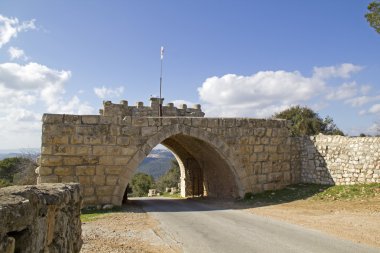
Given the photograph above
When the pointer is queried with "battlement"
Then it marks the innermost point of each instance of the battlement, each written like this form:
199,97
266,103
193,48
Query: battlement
139,110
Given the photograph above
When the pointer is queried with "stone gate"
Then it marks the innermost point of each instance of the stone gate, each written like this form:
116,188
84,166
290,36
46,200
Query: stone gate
218,157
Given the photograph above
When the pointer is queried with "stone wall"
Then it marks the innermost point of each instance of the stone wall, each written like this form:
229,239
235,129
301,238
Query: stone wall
218,156
340,160
42,218
168,110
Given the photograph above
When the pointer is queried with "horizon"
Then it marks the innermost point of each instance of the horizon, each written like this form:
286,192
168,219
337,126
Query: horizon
235,58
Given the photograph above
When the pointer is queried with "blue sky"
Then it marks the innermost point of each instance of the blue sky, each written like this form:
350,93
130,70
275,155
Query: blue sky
236,58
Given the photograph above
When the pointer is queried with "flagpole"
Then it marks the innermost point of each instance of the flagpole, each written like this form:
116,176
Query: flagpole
162,57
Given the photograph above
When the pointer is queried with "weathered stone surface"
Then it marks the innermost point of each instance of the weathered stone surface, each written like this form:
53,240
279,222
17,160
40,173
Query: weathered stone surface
42,218
339,160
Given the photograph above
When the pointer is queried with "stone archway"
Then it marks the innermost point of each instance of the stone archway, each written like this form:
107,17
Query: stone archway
205,163
227,156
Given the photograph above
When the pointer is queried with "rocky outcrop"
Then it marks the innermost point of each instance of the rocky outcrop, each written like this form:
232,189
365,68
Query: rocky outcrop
42,218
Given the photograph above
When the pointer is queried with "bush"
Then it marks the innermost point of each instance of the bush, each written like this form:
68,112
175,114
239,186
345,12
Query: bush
307,122
171,178
248,195
18,171
141,183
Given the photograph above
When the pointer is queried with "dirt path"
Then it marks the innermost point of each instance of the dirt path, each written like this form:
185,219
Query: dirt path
355,220
130,230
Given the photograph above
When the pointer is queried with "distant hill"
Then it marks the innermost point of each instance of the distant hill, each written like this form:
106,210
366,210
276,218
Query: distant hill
8,153
156,163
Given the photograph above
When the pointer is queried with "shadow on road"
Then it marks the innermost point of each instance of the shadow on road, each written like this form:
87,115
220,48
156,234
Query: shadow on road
204,204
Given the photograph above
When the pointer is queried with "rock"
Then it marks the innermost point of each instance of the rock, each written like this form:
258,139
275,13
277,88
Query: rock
42,218
107,207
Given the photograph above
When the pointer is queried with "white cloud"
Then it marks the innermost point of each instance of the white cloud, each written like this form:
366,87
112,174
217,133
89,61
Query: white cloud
105,92
258,95
345,91
374,109
10,27
73,106
34,82
362,100
344,70
364,89
266,92
26,91
179,102
374,129
17,53
31,76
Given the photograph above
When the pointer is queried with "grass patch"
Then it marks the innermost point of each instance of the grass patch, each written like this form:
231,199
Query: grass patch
349,192
92,213
315,192
168,195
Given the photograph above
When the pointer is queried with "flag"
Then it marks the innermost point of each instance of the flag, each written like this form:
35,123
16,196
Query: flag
162,53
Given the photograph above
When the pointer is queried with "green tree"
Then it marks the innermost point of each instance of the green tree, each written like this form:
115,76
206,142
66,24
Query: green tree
18,170
373,16
307,122
141,183
170,178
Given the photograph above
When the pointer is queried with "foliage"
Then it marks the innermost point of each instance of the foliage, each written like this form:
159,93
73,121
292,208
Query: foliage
4,183
373,16
17,171
141,183
170,178
307,122
9,167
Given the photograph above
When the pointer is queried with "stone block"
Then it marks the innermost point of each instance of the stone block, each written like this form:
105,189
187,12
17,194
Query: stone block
90,119
99,180
92,140
44,171
111,180
104,190
109,140
72,119
130,131
88,191
68,179
99,169
63,171
260,132
106,160
269,187
48,179
85,170
72,160
47,150
121,160
114,170
99,150
76,139
139,122
47,161
52,118
85,180
147,131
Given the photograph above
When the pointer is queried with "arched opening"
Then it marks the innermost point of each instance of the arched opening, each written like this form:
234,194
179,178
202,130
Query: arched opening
203,170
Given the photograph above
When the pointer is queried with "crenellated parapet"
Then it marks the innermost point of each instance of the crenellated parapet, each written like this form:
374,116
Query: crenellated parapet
139,110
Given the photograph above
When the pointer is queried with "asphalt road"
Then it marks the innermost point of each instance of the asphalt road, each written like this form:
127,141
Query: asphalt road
203,227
